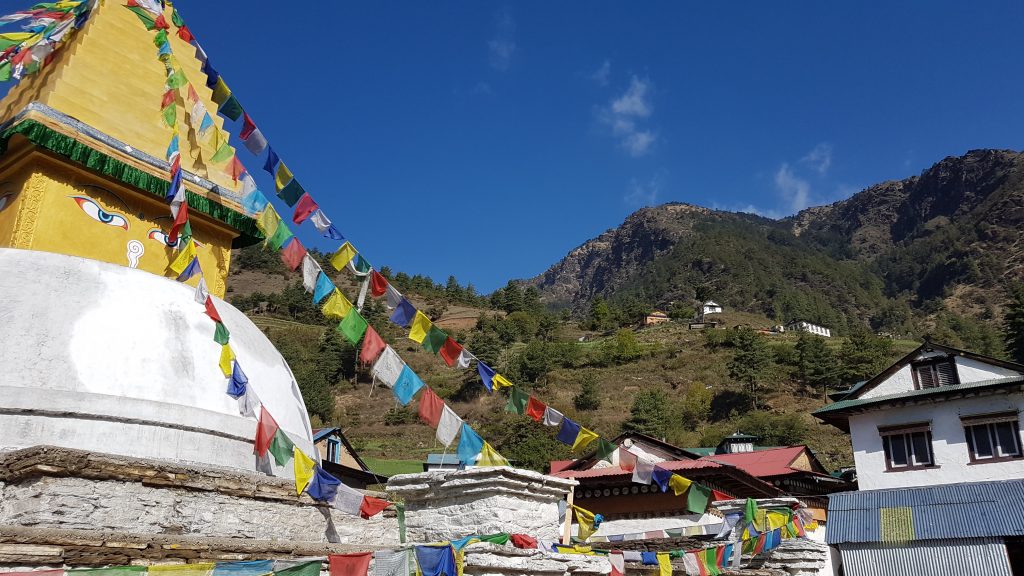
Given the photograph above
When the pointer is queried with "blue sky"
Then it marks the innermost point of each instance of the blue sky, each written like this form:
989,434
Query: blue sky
488,139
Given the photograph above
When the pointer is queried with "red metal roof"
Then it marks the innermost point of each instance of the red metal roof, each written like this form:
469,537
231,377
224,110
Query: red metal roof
762,463
616,471
559,465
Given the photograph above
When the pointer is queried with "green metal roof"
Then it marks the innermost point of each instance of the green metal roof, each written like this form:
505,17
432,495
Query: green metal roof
842,405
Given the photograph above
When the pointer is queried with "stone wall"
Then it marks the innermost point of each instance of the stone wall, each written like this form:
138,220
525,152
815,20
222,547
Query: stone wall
449,504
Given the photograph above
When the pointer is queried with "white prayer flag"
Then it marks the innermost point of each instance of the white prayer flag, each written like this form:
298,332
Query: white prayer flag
320,220
349,500
388,367
464,359
310,270
552,417
448,427
201,292
643,472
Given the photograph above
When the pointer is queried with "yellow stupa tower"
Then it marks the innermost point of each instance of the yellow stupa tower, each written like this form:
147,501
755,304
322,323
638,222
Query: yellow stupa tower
83,169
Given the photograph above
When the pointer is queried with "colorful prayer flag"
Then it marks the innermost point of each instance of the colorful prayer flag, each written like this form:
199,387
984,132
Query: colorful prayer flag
350,564
324,287
378,284
282,177
337,306
552,417
420,326
227,356
303,467
661,477
535,409
268,221
265,430
605,449
406,386
448,426
470,445
322,487
679,484
404,313
568,432
282,447
431,407
310,273
353,326
643,472
184,258
490,457
221,334
304,209
272,161
280,237
517,400
585,519
435,340
583,439
697,498
450,351
342,256
373,345
291,193
372,506
231,108
500,381
293,253
238,383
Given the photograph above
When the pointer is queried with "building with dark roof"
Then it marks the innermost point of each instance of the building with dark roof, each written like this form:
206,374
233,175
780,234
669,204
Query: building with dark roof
339,458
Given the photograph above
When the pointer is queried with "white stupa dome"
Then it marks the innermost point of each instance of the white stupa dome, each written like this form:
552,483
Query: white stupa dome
105,358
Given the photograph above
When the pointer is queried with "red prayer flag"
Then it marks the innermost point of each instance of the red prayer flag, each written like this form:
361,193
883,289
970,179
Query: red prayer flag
716,496
160,23
176,165
168,99
627,461
193,96
357,564
524,541
211,311
719,556
293,253
185,34
431,407
179,222
131,4
450,351
535,409
378,284
235,168
373,345
248,126
372,506
265,430
304,208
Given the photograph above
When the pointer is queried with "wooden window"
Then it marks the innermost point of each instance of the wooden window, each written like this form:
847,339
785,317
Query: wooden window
934,373
907,447
333,449
992,437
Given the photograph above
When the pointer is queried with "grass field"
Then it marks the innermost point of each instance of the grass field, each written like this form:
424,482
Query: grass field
391,467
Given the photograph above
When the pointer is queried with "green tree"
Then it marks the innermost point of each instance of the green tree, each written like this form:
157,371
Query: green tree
534,361
751,361
862,355
588,397
600,316
649,414
816,364
1013,324
523,442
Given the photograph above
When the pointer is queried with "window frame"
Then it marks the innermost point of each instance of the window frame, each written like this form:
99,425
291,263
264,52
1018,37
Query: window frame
932,364
333,445
906,431
988,421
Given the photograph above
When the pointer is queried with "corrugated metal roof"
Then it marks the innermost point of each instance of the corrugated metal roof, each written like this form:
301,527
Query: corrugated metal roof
915,394
940,557
761,463
974,510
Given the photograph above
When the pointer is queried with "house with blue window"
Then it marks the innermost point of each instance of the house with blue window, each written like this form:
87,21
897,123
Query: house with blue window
937,447
339,458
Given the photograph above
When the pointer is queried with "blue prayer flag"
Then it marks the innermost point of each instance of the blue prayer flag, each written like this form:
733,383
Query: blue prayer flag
206,123
175,184
436,560
322,486
487,376
661,477
271,164
649,558
254,202
211,75
568,432
165,49
407,385
333,233
191,270
238,382
324,287
404,313
172,148
470,445
244,568
461,542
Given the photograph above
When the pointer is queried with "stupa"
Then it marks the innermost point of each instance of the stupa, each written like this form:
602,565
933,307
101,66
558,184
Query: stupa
103,349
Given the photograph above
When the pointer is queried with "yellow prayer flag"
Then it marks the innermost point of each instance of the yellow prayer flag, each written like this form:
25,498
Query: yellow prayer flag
583,438
585,518
490,457
337,306
283,176
268,222
776,520
303,466
499,382
679,484
420,327
201,569
664,564
221,92
227,356
184,258
343,255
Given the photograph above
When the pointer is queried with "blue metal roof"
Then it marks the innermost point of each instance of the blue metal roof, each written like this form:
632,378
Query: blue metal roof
321,433
449,459
973,510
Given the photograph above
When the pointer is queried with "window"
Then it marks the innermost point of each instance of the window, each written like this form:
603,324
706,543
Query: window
934,373
907,447
333,447
992,437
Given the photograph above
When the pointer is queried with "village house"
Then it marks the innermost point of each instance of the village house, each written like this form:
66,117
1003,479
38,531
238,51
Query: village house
802,326
655,317
710,307
937,447
338,457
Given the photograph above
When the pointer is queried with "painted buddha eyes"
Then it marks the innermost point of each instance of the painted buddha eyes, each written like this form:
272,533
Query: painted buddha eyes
5,200
161,236
93,210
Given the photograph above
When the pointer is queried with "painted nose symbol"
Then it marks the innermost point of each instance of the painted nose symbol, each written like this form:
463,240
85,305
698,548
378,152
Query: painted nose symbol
135,251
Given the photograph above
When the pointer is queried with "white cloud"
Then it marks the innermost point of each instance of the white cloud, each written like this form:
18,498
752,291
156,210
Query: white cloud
643,193
795,191
819,158
503,46
602,74
624,113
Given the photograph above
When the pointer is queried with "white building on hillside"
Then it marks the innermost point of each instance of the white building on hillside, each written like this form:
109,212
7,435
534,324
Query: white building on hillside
711,307
936,436
801,326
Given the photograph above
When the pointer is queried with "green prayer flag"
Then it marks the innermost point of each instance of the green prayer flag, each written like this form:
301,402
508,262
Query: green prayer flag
281,235
170,114
362,266
517,400
176,18
697,498
231,108
435,340
116,571
281,447
221,334
291,192
501,538
177,79
160,38
711,561
353,326
750,512
186,233
605,449
5,71
307,569
148,21
223,154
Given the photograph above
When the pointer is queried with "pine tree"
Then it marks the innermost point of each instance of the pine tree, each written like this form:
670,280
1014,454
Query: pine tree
816,364
588,398
751,361
649,414
1013,324
863,355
